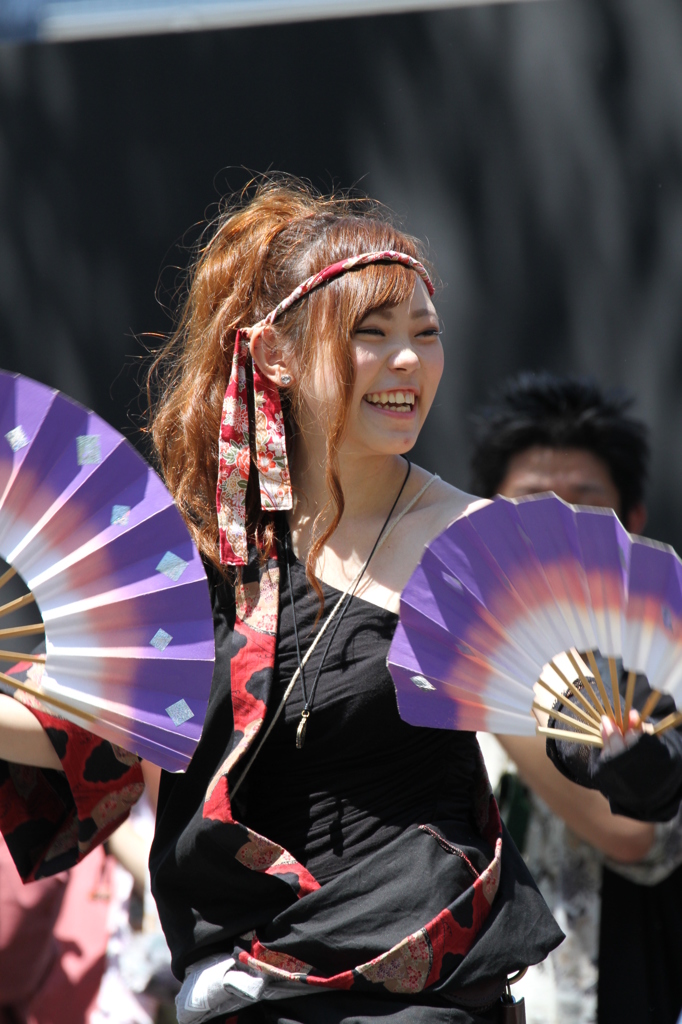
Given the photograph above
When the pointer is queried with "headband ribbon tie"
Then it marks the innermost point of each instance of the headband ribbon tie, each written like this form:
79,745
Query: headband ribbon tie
269,443
234,453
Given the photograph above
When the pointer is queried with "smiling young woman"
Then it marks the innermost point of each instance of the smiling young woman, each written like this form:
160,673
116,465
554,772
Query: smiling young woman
397,362
317,845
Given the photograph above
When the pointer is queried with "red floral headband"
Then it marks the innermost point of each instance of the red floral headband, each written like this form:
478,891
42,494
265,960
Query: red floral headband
234,448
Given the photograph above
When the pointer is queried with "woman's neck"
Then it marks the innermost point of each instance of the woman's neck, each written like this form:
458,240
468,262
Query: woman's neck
369,483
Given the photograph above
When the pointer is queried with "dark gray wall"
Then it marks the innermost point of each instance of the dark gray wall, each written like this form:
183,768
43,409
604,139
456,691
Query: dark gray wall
538,146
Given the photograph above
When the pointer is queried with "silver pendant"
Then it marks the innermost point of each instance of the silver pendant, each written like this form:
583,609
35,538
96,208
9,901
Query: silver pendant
302,726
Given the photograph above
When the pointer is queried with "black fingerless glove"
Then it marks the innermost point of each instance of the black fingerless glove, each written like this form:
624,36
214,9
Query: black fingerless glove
644,782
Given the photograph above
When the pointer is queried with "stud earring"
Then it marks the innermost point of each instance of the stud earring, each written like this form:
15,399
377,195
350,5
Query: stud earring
286,379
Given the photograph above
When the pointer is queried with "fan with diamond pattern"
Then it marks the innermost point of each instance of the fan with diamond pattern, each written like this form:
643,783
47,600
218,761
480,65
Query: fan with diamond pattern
109,565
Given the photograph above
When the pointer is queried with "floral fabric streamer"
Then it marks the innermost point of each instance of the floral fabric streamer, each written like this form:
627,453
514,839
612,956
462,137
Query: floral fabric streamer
234,454
271,450
234,447
234,461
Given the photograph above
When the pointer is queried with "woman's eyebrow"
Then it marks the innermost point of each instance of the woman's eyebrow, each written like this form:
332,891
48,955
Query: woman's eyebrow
387,313
384,311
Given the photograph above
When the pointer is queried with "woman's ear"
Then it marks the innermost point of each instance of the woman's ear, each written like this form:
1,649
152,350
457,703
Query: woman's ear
269,355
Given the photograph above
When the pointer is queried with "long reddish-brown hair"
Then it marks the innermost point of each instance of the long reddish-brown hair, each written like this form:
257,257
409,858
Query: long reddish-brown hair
263,243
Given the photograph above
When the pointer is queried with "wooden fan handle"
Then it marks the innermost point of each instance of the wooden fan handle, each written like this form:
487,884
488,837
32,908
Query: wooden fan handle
599,681
601,710
615,690
651,702
589,719
14,631
575,722
7,576
16,604
575,691
669,722
46,698
571,737
39,659
629,696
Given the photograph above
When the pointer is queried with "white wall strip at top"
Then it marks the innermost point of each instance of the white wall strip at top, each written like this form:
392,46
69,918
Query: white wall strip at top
63,20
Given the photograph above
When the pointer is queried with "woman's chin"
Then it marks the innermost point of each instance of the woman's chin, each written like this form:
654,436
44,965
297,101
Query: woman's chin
371,445
386,434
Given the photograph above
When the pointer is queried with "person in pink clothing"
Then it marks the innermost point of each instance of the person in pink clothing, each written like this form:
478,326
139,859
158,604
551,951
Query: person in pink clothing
55,932
28,947
53,939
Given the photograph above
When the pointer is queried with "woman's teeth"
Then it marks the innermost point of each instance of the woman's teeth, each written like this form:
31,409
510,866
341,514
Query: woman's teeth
396,401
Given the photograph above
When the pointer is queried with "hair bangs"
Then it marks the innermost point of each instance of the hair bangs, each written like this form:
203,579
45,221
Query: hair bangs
378,286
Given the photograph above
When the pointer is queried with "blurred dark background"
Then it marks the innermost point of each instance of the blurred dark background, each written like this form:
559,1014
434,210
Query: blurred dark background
538,146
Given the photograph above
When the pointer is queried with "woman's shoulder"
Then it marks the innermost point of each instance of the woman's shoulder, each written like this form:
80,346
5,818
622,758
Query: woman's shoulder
440,503
430,505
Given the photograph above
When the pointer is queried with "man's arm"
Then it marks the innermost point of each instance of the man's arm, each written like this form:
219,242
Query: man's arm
585,811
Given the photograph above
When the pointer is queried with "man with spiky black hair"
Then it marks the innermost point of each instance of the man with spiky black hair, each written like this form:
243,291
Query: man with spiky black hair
544,430
614,884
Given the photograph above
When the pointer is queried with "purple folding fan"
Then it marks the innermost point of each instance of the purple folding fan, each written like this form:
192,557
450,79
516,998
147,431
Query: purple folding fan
514,601
108,560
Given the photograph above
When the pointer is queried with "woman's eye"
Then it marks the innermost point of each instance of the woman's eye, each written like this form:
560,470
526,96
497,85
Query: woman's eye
376,331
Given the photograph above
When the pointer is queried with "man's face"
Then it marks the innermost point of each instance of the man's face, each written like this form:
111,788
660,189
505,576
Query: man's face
576,475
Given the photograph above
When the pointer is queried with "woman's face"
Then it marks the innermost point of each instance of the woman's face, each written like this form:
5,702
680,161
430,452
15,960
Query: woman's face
398,359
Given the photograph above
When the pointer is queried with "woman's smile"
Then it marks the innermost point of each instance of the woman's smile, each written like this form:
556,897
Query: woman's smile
396,402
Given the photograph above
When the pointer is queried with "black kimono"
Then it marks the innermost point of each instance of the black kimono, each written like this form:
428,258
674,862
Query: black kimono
368,872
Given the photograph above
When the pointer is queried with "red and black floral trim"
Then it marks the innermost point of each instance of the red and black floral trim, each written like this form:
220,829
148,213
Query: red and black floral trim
51,819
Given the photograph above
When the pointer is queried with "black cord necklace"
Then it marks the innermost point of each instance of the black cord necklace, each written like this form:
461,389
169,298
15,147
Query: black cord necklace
308,700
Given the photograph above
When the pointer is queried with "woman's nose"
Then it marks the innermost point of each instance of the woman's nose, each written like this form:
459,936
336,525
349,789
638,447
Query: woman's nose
403,358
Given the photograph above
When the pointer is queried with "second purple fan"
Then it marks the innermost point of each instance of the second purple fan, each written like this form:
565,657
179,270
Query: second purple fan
518,601
119,585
